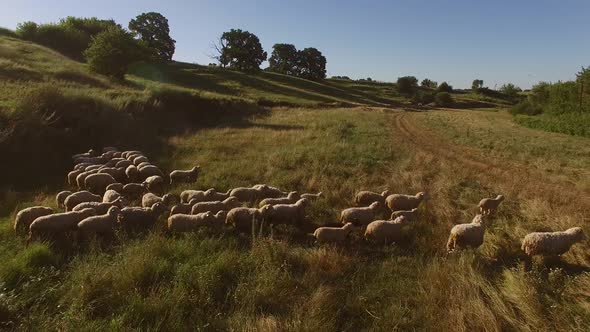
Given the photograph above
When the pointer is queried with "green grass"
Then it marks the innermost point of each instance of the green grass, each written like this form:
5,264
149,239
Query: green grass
577,124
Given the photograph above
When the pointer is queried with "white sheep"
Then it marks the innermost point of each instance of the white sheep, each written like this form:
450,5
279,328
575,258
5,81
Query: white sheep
266,191
188,176
79,197
241,218
138,218
397,202
366,198
551,243
57,224
74,174
25,217
410,215
190,222
213,195
139,160
197,195
90,153
103,224
310,196
181,208
150,199
98,182
245,194
360,216
132,173
60,198
113,162
117,173
125,154
99,207
154,183
216,206
118,187
123,164
490,205
290,199
81,178
150,170
467,235
111,196
144,164
333,234
385,231
134,190
287,213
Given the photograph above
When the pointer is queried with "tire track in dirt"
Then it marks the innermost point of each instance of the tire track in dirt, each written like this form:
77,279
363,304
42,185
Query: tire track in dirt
518,179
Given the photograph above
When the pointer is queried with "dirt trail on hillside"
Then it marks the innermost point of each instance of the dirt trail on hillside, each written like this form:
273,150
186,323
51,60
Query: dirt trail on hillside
511,177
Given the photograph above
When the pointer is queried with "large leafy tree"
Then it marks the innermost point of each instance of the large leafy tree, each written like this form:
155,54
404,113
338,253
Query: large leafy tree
284,59
444,87
426,83
311,64
407,84
153,29
240,50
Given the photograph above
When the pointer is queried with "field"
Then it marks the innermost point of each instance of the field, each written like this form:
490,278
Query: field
221,280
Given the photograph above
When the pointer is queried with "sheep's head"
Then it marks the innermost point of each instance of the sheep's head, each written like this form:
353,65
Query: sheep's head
158,208
168,199
210,191
293,195
577,233
421,195
500,198
348,226
302,202
376,205
400,220
221,215
87,212
386,193
113,211
265,210
195,170
479,219
232,202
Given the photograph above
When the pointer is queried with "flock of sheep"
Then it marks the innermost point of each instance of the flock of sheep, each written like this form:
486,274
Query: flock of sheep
123,190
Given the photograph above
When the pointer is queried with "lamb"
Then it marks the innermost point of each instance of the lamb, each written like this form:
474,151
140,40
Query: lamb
103,224
366,198
123,163
134,190
180,176
150,199
216,206
150,170
219,217
60,198
111,196
410,215
82,177
132,173
139,160
58,223
137,218
74,174
154,183
181,208
79,197
245,194
287,213
213,195
385,231
490,205
399,202
197,195
118,187
25,217
190,222
98,182
265,191
551,243
290,199
360,216
99,207
241,217
467,235
312,196
333,234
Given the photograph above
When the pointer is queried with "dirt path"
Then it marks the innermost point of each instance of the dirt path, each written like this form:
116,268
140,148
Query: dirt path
511,177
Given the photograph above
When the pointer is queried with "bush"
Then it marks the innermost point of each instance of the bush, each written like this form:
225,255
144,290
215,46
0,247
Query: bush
8,32
112,52
27,30
527,108
423,98
443,99
407,84
444,87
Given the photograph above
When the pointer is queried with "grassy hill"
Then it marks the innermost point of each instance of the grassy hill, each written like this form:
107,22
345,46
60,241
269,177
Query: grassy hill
219,279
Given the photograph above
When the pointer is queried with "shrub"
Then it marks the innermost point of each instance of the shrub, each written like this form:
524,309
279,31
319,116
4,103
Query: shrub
423,98
8,32
27,30
526,107
443,99
444,87
112,52
407,84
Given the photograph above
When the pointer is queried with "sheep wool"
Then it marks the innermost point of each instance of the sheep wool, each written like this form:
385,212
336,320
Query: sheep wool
333,234
290,199
25,217
79,197
490,205
287,213
216,206
184,176
385,231
366,198
58,223
103,224
190,222
360,216
397,202
552,243
60,198
467,235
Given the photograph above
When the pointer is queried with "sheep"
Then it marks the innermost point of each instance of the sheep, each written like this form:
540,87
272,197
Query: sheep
110,196
154,183
74,174
410,215
190,222
265,191
287,213
312,196
290,199
118,187
245,194
551,243
196,195
113,162
82,177
215,206
60,198
150,199
124,163
117,173
490,205
180,176
181,208
399,202
99,207
90,153
134,190
110,148
132,173
79,197
92,160
103,224
219,217
150,170
25,217
58,223
137,218
213,195
333,234
360,216
366,198
467,235
385,231
125,154
98,182
139,160
241,217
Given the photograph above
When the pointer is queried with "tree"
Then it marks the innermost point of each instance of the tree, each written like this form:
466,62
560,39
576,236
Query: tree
311,64
112,51
444,87
284,59
510,89
153,29
426,83
407,84
240,50
477,84
443,99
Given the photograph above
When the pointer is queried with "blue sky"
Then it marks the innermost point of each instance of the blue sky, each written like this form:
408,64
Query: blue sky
522,42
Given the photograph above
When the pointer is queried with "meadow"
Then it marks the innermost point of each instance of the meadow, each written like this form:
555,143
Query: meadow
308,141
